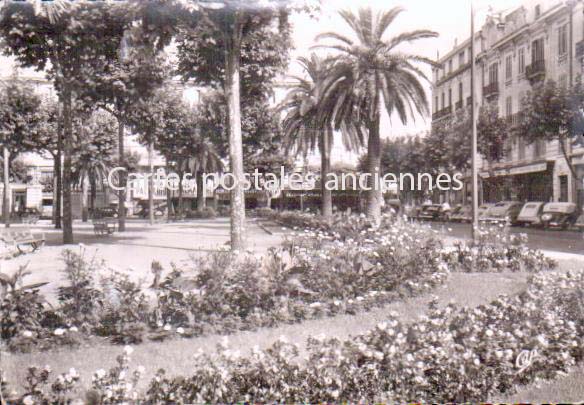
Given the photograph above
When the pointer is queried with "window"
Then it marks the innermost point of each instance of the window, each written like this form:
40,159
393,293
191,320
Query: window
537,11
436,106
450,66
521,61
461,59
509,106
537,50
563,40
460,99
521,148
563,188
493,73
508,67
539,148
443,100
449,97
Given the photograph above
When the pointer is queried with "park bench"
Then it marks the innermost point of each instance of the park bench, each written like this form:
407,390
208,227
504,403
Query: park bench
17,237
103,227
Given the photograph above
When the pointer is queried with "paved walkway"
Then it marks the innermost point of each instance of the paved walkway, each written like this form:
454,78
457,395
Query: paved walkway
135,249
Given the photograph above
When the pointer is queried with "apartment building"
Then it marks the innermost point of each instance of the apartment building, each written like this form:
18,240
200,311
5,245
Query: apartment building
541,40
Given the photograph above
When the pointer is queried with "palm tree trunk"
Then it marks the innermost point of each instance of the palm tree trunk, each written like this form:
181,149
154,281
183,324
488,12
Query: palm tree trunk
93,193
151,183
67,166
373,168
232,90
325,169
122,193
201,203
84,189
180,189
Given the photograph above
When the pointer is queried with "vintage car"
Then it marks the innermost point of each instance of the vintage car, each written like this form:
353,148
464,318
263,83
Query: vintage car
531,213
463,214
503,212
559,215
484,210
434,212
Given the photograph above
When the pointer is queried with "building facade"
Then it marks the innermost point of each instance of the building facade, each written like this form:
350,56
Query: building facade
539,41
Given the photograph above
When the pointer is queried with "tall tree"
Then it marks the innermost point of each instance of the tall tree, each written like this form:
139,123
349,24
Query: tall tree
309,122
20,113
215,51
493,133
554,113
370,69
72,42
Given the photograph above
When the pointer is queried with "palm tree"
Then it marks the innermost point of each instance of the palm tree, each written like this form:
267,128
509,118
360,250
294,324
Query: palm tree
370,69
309,121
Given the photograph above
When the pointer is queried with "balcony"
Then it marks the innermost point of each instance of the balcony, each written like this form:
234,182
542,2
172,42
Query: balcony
536,71
580,49
458,105
491,90
445,112
469,101
513,119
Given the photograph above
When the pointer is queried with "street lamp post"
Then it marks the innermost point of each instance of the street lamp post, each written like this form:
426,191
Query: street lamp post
475,185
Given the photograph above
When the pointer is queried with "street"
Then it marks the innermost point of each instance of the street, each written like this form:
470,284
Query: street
559,241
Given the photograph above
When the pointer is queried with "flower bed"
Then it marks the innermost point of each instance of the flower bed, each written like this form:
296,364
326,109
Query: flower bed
451,355
496,250
314,275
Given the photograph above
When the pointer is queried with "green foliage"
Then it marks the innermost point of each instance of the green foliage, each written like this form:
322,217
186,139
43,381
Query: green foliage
493,132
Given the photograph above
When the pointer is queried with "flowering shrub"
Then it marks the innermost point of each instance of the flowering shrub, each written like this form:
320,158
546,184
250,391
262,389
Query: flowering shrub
449,356
496,250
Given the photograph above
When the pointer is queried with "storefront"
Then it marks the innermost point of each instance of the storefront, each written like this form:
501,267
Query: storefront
532,182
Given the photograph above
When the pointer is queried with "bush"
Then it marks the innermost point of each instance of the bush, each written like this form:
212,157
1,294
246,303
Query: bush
496,250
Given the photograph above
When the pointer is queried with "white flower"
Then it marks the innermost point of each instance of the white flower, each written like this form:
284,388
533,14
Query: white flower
180,330
27,333
128,350
28,400
489,333
73,329
73,372
167,327
59,332
100,373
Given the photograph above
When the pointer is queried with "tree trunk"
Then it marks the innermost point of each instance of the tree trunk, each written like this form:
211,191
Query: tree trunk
151,183
325,169
84,190
58,192
5,192
373,167
121,193
180,189
232,89
67,167
201,201
93,193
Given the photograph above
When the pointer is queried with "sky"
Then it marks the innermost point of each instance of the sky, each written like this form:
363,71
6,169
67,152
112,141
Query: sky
449,18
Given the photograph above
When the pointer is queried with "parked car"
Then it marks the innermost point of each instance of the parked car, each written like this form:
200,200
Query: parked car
463,214
580,221
531,214
434,212
559,215
503,212
484,210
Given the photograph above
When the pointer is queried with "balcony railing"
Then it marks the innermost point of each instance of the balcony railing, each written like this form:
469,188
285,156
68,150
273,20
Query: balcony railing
580,49
491,90
514,119
458,105
469,101
442,113
535,71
